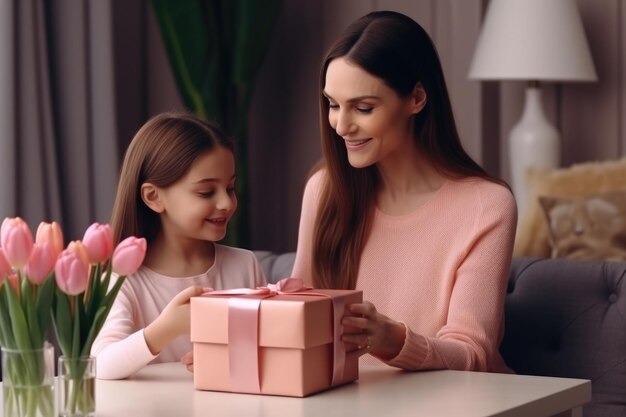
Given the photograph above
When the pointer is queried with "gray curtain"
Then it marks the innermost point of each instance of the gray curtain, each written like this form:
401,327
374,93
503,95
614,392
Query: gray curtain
58,139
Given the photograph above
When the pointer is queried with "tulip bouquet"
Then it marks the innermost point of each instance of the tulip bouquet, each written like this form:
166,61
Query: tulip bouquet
83,300
75,287
26,294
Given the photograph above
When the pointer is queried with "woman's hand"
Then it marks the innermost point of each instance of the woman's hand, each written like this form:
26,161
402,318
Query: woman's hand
172,322
372,332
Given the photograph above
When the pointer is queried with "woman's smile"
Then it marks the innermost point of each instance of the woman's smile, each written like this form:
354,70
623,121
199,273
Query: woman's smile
357,144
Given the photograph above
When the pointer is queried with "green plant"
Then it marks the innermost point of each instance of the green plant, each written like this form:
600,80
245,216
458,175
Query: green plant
216,48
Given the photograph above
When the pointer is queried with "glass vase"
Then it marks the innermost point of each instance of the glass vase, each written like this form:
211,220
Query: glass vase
76,387
28,381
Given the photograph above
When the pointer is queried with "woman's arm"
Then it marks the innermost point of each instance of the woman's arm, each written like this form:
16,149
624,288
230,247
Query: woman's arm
303,264
471,337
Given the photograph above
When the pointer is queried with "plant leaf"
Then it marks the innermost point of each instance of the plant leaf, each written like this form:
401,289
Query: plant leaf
253,28
18,321
186,40
97,324
6,334
75,349
45,296
29,305
63,321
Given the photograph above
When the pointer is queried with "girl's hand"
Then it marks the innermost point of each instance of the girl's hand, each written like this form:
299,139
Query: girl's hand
187,360
372,332
172,322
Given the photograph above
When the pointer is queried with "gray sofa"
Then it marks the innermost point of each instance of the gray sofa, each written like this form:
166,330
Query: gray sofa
563,318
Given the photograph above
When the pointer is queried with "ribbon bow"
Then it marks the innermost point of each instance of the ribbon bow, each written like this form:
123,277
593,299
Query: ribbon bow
284,286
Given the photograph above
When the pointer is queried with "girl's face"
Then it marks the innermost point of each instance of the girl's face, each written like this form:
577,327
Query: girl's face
200,204
373,121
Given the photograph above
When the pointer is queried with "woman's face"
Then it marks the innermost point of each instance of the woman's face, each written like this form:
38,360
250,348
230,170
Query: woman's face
373,121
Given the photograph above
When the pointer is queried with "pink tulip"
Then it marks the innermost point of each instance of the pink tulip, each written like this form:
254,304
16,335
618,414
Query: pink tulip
16,240
5,268
98,241
52,234
77,247
129,255
41,263
15,283
71,272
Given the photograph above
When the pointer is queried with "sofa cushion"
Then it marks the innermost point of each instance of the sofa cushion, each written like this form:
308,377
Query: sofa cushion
276,266
567,318
563,318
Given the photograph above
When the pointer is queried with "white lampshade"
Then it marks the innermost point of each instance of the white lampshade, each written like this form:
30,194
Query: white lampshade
532,40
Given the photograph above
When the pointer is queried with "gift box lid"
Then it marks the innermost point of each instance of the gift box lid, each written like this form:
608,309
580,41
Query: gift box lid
289,321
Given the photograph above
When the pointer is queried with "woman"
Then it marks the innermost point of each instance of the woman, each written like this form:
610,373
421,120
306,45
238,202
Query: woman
399,210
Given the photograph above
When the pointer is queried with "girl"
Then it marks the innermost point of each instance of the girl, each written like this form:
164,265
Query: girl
176,189
400,211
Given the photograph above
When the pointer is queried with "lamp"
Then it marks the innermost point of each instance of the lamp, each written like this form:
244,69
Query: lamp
532,40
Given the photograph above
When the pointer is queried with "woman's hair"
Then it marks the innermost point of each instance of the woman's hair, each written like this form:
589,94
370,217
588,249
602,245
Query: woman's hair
161,153
394,48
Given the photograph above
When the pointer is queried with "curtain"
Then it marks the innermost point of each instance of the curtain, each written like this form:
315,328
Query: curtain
58,141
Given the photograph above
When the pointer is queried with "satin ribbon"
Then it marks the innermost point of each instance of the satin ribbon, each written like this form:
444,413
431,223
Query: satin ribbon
243,330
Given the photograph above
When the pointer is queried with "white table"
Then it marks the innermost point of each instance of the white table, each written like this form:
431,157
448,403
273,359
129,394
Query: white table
166,390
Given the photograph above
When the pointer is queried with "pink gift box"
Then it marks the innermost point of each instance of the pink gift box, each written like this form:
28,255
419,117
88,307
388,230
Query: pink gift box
295,343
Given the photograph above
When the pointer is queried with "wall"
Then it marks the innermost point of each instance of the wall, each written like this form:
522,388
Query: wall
284,141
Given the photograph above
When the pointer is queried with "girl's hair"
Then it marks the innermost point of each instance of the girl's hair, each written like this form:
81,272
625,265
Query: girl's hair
394,48
161,153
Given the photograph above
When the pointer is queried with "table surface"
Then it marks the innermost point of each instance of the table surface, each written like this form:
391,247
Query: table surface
167,390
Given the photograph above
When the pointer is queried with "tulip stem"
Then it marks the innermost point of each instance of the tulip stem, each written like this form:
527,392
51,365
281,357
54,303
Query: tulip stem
87,294
72,307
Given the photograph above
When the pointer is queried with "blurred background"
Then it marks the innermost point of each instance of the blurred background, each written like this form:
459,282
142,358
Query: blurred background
79,77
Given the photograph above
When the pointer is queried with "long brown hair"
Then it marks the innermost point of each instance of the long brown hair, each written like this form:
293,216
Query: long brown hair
161,153
396,49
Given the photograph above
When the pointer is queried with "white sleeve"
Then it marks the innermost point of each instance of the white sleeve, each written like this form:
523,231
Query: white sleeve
121,350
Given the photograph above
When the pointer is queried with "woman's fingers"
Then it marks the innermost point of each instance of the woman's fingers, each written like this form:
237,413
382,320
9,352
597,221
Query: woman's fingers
360,328
365,308
359,323
360,340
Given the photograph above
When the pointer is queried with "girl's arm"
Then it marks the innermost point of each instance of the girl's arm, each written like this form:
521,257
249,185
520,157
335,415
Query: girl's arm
120,348
172,322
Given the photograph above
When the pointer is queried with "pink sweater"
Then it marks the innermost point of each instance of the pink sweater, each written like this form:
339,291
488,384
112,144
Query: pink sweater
441,270
120,348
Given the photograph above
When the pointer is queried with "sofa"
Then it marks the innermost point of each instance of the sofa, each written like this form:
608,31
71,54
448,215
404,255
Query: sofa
563,318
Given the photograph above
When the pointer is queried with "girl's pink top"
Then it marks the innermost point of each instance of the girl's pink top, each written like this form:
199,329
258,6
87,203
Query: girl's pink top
441,270
120,348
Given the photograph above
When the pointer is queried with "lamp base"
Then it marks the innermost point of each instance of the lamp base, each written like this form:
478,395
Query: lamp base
534,143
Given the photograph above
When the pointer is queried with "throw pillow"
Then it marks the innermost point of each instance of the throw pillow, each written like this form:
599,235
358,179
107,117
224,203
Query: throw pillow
579,180
592,227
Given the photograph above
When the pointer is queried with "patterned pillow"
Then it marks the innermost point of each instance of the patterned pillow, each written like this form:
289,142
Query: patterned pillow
579,180
592,227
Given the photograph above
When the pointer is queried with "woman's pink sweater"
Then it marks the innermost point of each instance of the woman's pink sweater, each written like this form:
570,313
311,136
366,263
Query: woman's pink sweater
441,270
